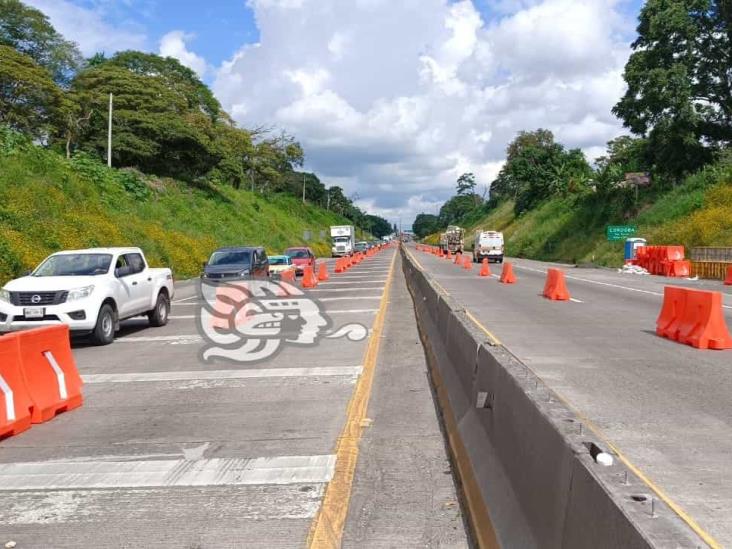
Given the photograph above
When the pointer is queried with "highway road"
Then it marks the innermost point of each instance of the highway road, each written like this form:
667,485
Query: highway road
172,451
666,407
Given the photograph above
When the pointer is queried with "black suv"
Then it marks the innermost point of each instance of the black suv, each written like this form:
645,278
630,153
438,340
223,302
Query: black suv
237,262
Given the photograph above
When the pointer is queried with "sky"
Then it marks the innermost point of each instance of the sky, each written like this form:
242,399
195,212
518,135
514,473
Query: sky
391,99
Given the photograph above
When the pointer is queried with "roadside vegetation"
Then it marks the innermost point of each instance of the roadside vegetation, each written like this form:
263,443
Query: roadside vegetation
48,203
186,178
672,177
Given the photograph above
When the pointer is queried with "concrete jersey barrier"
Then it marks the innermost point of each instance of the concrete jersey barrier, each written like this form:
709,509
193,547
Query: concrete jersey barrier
524,458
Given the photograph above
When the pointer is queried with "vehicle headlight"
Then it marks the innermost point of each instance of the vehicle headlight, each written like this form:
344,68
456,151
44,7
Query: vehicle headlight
79,293
4,295
245,272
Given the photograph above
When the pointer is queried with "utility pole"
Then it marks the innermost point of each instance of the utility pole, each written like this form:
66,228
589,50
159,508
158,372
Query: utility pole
303,187
327,207
109,134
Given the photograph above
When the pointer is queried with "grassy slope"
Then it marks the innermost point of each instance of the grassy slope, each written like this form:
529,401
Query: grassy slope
697,213
48,204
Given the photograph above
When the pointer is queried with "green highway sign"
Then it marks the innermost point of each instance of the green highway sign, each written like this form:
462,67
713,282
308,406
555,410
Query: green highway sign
620,232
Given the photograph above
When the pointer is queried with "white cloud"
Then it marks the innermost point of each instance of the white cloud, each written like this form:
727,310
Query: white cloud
88,28
393,100
174,44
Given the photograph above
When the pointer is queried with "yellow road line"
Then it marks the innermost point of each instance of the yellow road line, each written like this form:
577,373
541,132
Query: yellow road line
326,531
414,259
494,340
676,508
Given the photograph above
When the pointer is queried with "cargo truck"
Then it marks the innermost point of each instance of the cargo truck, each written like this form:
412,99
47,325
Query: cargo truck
452,239
344,240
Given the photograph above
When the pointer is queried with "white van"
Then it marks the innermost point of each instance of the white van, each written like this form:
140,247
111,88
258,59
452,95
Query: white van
488,244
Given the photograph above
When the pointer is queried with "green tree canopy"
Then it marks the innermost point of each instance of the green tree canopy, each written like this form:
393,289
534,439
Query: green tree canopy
28,31
679,82
378,226
537,167
154,127
425,224
466,184
30,101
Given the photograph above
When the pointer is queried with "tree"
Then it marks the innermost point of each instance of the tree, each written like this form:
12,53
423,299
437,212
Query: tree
457,208
425,224
378,226
466,184
537,168
154,127
29,32
679,92
30,101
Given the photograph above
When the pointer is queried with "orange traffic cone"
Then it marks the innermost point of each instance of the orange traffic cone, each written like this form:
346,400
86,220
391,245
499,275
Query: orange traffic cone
458,260
507,276
339,265
323,272
448,255
467,263
485,270
308,278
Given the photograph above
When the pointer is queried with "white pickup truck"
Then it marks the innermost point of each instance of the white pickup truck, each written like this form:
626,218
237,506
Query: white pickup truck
90,290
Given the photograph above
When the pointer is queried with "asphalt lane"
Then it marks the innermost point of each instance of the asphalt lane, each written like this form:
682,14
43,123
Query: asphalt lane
664,405
170,451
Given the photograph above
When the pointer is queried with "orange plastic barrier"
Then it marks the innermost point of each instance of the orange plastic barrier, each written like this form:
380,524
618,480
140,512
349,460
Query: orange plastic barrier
680,268
485,270
323,272
693,317
555,287
308,278
49,371
507,276
15,402
728,280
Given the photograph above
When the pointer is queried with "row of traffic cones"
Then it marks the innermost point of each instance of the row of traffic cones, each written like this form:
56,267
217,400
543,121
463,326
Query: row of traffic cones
311,280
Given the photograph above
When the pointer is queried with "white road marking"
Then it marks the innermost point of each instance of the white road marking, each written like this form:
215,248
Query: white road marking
62,475
224,374
181,317
346,283
575,300
337,311
619,286
186,299
188,304
349,297
347,289
190,338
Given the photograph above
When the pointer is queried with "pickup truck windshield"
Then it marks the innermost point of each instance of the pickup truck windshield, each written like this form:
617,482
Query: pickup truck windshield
74,265
230,258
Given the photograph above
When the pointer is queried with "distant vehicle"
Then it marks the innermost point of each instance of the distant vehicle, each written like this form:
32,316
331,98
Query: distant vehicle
279,264
344,239
361,246
301,257
488,244
89,290
452,239
237,263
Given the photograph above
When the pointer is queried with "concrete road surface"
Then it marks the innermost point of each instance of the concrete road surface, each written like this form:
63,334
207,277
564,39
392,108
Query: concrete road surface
170,451
666,406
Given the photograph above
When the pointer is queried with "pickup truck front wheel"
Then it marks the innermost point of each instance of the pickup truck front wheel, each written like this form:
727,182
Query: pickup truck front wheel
159,315
103,333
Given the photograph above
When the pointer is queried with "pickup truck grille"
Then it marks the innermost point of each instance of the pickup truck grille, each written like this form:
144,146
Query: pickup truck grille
43,298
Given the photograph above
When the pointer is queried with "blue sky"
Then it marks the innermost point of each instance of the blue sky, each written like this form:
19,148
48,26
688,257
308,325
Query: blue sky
391,99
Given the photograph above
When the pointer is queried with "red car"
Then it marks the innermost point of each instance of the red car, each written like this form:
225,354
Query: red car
301,257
